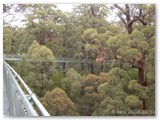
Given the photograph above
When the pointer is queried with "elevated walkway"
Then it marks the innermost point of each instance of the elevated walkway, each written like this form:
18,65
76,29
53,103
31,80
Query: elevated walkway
18,101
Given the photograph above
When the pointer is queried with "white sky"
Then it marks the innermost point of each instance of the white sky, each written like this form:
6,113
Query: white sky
62,7
65,7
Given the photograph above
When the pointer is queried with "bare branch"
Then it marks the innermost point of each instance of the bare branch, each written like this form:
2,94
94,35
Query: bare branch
124,22
127,13
141,20
92,10
131,18
117,6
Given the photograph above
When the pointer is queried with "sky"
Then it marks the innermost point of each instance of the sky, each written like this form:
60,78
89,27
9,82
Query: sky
65,7
62,7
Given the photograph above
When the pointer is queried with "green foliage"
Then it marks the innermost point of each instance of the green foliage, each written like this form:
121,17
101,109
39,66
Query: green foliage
55,80
107,86
103,77
118,75
39,53
58,103
151,100
26,41
103,88
91,79
134,86
91,98
132,101
89,34
150,67
109,107
72,84
128,53
112,42
138,89
149,31
12,39
90,101
7,40
40,57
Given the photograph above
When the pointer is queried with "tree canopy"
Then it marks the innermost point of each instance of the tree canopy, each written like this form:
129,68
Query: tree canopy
113,60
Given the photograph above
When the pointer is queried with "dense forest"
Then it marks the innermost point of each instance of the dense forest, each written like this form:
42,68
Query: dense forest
116,43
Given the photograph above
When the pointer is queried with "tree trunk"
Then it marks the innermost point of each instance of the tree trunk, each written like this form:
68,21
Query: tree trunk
64,55
92,68
43,80
82,66
143,106
141,80
103,66
12,45
141,75
64,68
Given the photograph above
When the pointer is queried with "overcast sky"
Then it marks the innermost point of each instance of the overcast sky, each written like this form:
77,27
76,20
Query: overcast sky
65,7
62,7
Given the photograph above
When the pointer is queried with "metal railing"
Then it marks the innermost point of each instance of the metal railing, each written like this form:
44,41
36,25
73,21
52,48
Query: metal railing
16,57
20,103
12,57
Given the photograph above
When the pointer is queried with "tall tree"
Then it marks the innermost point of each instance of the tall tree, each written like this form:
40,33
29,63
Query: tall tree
43,62
92,46
43,22
58,103
72,84
129,14
90,98
12,39
133,49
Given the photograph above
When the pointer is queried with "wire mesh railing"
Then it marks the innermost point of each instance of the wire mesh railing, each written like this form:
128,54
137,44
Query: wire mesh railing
20,103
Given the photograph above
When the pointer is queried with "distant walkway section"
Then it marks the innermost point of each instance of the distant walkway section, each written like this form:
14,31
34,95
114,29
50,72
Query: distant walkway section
16,57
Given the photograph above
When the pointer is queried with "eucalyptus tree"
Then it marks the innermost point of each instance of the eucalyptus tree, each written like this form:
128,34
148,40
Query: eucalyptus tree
43,21
86,34
12,39
43,62
131,13
72,84
58,103
94,29
134,49
90,97
115,91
